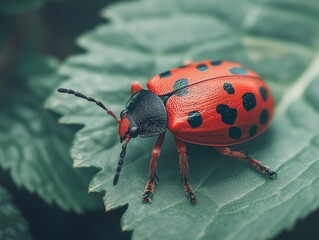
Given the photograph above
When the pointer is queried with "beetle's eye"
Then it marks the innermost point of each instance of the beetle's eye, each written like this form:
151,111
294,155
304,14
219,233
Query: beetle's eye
133,131
123,113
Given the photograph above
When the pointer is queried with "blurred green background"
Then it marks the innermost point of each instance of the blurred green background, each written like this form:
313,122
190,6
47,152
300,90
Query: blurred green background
41,195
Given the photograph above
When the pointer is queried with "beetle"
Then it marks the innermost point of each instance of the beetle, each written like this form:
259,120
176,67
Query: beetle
211,103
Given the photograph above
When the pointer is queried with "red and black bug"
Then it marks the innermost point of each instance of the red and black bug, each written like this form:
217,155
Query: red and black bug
212,103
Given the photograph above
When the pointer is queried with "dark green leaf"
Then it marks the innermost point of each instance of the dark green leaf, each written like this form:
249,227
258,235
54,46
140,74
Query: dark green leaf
20,6
278,39
12,224
33,147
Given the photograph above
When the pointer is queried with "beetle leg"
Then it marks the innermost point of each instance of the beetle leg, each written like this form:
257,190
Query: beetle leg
135,87
226,151
183,165
149,188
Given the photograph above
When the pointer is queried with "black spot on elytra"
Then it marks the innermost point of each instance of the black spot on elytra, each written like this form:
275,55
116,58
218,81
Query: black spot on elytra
235,132
216,63
194,119
182,85
165,74
229,88
252,131
228,114
202,67
264,116
249,101
263,93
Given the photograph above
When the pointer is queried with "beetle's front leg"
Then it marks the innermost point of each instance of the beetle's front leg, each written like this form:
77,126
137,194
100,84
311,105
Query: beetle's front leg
149,188
183,165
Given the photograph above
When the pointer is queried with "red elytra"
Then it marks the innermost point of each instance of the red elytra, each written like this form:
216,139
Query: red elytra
212,103
219,97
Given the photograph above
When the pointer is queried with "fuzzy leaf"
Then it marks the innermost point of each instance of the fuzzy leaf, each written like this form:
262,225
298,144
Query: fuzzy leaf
33,147
279,39
12,224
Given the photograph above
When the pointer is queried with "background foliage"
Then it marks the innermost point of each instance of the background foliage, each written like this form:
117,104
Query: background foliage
279,39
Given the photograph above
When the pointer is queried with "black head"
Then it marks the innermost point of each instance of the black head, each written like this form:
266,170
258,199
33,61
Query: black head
144,115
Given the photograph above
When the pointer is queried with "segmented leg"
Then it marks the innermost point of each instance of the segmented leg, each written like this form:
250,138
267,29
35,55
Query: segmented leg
135,87
255,163
149,188
183,165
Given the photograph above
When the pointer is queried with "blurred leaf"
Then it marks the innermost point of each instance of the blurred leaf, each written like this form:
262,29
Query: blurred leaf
12,224
20,6
278,39
33,147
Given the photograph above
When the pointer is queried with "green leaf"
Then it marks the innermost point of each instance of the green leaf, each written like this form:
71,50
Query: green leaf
277,38
33,146
12,224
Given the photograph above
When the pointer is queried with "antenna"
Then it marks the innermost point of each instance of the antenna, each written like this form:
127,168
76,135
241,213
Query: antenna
120,162
81,95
